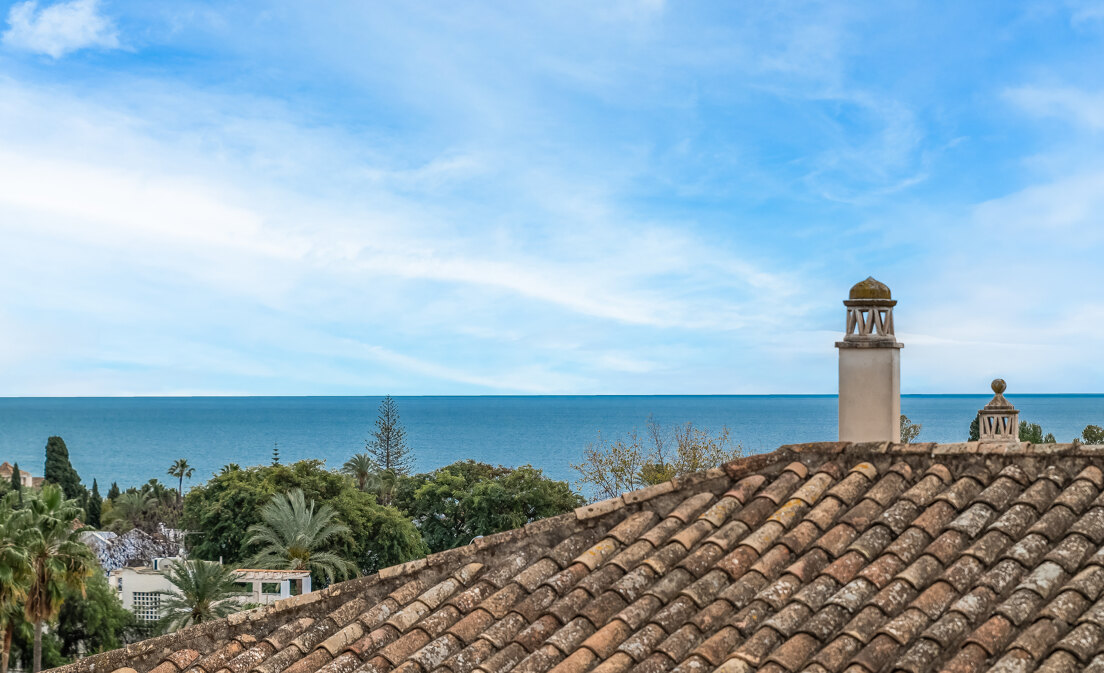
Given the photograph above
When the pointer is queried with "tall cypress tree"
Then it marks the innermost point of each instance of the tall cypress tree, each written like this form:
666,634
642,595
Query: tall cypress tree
95,506
60,471
17,483
113,492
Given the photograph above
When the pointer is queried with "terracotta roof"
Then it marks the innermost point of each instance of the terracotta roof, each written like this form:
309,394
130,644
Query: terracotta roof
824,558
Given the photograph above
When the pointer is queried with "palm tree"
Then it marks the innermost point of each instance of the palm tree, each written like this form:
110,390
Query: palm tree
181,469
360,467
15,571
383,484
202,591
292,534
58,558
130,507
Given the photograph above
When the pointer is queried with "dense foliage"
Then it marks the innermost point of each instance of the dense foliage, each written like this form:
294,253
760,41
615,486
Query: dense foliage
293,535
60,471
1092,434
94,621
143,507
1033,432
458,502
230,503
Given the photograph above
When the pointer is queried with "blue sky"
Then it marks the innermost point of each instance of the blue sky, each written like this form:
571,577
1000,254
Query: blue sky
620,197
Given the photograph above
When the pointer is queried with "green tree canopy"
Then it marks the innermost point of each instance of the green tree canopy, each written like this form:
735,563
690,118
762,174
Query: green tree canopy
458,502
224,509
1033,432
60,471
93,621
1092,434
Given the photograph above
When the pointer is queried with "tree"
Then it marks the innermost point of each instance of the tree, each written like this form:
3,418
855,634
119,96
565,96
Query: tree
458,502
388,443
360,467
223,509
275,453
202,591
93,621
1092,434
293,533
909,430
181,469
60,471
975,429
17,481
1033,432
129,510
59,560
609,469
113,492
95,506
15,570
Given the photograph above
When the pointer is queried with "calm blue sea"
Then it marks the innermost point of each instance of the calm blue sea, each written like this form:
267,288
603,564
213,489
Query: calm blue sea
131,440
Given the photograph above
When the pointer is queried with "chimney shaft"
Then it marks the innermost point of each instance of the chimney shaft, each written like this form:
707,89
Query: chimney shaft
869,367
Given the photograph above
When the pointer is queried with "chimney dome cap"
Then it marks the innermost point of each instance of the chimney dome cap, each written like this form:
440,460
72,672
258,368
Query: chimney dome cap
869,289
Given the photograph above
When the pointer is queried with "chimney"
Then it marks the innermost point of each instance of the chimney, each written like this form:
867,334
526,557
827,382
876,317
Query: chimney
999,421
869,367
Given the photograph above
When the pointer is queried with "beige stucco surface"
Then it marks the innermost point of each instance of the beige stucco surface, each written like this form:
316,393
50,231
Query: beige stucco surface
869,394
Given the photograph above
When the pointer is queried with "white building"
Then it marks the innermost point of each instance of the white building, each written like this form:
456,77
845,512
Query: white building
140,588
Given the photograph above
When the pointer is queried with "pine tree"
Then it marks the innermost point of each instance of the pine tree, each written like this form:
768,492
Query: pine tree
388,444
94,507
114,491
275,453
17,483
60,471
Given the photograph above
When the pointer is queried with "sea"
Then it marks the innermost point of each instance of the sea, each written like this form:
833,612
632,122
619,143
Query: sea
134,439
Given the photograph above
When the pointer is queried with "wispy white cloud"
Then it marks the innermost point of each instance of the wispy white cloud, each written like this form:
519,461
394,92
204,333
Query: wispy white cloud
60,28
640,197
1072,104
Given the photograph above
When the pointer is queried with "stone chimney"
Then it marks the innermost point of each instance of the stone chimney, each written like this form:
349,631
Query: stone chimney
869,367
999,421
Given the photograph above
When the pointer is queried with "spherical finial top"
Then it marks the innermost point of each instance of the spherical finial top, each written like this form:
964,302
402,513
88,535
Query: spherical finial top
999,386
870,289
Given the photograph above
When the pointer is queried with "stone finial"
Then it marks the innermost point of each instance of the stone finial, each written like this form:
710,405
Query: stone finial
999,421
